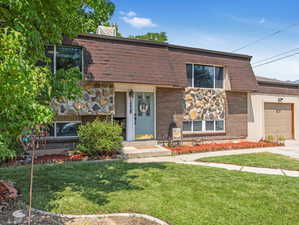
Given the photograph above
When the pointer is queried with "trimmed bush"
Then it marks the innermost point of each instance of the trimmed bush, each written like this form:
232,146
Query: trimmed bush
99,137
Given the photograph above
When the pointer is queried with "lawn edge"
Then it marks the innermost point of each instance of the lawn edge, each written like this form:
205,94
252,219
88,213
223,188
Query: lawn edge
144,216
242,165
120,159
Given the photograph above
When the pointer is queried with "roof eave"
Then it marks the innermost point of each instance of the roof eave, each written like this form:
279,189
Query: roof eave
165,44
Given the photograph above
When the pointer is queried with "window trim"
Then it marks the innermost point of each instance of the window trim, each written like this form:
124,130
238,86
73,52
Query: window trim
211,65
204,131
64,121
67,46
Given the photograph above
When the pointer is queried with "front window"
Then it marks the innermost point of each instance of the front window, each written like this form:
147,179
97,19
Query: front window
203,76
203,126
64,57
64,129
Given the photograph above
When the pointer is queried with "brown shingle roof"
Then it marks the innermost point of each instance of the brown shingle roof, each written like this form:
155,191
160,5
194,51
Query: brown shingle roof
137,61
274,86
275,81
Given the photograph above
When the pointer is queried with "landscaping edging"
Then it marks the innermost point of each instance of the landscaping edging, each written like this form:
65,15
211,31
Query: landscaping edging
144,216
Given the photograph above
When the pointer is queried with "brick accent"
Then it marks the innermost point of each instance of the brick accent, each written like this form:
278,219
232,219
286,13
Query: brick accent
170,107
236,114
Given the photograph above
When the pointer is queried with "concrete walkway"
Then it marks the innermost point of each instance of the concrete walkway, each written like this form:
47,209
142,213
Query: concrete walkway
290,151
148,151
259,170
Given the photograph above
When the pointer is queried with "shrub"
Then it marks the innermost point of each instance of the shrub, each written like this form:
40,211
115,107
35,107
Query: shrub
281,139
99,137
5,152
270,139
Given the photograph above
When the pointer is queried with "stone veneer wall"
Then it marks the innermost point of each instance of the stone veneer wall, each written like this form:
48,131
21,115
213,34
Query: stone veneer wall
204,104
95,101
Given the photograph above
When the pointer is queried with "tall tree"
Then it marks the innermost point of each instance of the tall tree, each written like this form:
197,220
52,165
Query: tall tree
26,27
159,37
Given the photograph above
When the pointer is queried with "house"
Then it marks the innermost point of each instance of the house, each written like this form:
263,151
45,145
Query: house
151,87
273,110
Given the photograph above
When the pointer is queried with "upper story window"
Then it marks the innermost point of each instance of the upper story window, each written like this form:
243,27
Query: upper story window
64,57
202,76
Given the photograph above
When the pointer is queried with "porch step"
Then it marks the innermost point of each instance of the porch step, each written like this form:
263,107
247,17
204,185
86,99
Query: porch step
148,151
139,143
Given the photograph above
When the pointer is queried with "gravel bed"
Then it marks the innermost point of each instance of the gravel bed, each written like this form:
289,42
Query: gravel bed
7,218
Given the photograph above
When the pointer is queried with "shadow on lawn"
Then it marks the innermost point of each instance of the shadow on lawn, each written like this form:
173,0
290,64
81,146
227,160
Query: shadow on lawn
92,181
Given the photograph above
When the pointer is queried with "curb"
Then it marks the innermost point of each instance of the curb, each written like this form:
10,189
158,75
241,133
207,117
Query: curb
144,216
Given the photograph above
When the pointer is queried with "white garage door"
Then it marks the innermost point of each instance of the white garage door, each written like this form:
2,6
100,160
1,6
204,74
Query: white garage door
279,120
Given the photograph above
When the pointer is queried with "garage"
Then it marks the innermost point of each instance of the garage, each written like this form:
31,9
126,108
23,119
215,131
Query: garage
279,120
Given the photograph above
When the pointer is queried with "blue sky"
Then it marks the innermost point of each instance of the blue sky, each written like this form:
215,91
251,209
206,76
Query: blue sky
221,25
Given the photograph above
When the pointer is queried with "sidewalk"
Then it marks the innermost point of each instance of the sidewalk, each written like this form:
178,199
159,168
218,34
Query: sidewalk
190,160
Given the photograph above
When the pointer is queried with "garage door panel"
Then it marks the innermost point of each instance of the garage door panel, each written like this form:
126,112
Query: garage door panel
278,120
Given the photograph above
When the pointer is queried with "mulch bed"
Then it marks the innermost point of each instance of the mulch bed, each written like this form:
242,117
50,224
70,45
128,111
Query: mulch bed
8,194
221,146
65,158
57,158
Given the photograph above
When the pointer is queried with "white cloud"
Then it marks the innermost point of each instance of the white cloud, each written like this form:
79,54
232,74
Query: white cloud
128,14
250,20
137,22
131,14
262,21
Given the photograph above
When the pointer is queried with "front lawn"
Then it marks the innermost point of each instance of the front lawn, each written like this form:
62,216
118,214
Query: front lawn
261,159
178,194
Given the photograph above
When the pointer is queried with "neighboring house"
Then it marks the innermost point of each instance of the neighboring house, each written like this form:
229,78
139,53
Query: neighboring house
273,110
151,87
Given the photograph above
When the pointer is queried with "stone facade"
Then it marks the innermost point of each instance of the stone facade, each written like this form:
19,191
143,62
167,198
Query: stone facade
204,104
95,101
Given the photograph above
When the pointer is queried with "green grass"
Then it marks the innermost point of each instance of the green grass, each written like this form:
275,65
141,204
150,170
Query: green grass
178,194
261,159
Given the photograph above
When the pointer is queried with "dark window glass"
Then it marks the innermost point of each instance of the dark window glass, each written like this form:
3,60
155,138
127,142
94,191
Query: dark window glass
51,130
68,57
49,52
210,125
203,76
218,77
197,125
219,125
189,75
187,125
148,102
140,101
67,129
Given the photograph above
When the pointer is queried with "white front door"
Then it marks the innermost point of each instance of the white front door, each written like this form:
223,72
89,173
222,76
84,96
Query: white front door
144,116
140,116
140,110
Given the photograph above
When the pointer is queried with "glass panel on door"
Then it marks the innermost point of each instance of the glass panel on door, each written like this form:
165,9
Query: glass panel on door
144,115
